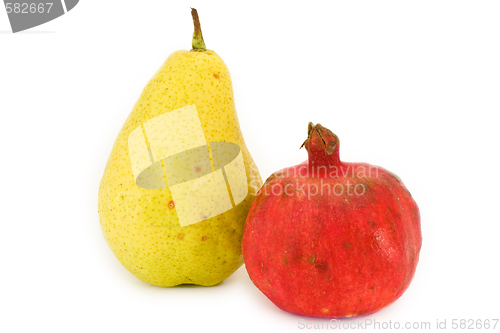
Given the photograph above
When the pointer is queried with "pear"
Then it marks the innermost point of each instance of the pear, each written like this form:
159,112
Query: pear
179,182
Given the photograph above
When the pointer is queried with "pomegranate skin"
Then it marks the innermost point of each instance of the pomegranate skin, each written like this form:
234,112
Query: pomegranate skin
315,251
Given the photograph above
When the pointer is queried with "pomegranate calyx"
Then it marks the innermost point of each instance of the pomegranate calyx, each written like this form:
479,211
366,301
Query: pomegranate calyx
328,138
322,147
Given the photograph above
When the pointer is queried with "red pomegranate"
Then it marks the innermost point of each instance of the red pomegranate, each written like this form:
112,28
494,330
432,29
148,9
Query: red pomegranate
332,239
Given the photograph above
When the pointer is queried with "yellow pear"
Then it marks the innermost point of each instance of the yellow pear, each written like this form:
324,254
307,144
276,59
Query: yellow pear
179,181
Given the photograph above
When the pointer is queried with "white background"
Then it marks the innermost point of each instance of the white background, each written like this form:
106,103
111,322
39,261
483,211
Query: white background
413,86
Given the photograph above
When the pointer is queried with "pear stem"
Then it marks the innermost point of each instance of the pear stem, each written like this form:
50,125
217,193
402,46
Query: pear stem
198,42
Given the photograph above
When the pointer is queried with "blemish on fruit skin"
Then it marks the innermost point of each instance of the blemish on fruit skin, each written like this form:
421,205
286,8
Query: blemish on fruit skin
321,265
197,169
180,236
171,204
311,259
216,76
285,261
346,245
204,238
325,310
205,216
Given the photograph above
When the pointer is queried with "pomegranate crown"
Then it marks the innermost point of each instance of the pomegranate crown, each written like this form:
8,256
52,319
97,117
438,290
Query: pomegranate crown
320,138
322,146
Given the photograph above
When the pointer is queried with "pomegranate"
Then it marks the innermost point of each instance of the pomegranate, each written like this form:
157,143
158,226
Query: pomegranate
332,239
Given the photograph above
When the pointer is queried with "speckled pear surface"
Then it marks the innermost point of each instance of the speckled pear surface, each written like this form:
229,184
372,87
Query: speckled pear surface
140,225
